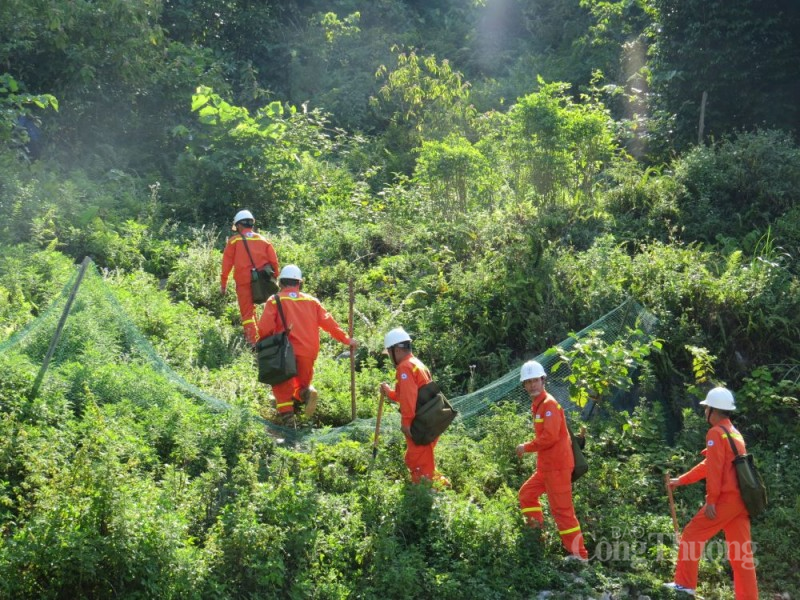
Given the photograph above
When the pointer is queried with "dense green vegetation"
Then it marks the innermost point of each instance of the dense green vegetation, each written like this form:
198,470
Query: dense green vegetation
492,175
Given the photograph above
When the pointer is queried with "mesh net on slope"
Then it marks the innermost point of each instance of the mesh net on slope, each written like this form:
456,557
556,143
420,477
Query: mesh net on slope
97,313
628,316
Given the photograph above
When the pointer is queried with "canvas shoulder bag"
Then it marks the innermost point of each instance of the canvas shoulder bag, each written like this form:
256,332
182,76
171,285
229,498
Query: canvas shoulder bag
434,414
581,464
751,484
276,360
262,281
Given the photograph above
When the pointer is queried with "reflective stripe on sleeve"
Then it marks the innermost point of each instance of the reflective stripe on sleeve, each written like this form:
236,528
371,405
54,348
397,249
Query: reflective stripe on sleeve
568,531
290,299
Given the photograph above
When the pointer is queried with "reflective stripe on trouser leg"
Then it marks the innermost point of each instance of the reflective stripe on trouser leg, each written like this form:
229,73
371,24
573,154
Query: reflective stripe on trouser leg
572,539
287,391
529,495
533,514
559,492
250,330
283,407
248,312
531,509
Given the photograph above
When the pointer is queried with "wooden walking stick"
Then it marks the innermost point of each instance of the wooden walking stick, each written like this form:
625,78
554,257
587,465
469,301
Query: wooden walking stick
352,358
672,508
377,427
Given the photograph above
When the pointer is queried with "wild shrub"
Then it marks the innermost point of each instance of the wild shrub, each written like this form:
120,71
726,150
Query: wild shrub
194,277
332,380
787,237
19,374
768,404
267,160
773,530
32,278
699,298
742,183
643,202
556,143
459,178
247,551
90,514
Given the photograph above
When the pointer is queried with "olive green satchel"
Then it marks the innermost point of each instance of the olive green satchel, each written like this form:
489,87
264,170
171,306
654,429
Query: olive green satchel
434,414
581,464
262,281
751,484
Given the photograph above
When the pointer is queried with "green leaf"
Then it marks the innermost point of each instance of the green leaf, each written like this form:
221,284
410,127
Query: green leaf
199,100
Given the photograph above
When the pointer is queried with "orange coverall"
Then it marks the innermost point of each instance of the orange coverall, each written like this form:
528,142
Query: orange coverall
235,257
722,490
412,374
553,475
305,316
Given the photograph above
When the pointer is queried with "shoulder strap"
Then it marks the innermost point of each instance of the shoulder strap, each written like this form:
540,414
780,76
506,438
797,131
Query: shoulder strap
569,427
421,366
280,312
730,439
246,247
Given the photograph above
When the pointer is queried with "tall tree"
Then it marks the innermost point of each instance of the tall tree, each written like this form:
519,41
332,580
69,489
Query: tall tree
119,81
743,53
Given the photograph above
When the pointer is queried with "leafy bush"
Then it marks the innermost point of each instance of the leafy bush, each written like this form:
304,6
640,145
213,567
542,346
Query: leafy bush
698,296
739,184
643,202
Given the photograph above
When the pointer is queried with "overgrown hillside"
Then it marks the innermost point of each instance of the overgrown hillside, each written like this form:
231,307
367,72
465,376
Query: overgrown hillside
492,176
116,483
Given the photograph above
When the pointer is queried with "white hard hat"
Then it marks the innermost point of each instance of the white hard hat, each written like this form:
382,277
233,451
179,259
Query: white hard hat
531,370
291,272
720,398
396,336
241,216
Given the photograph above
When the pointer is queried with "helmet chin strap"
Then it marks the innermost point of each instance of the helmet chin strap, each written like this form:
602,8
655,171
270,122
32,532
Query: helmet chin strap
708,418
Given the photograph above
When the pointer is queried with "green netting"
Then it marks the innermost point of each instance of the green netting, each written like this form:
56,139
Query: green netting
96,314
46,320
628,316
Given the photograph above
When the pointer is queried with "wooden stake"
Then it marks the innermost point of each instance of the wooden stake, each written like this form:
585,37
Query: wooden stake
352,358
377,427
702,124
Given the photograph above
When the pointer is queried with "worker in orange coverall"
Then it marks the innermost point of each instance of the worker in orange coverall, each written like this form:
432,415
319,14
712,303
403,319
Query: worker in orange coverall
410,375
724,509
235,257
554,464
305,316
